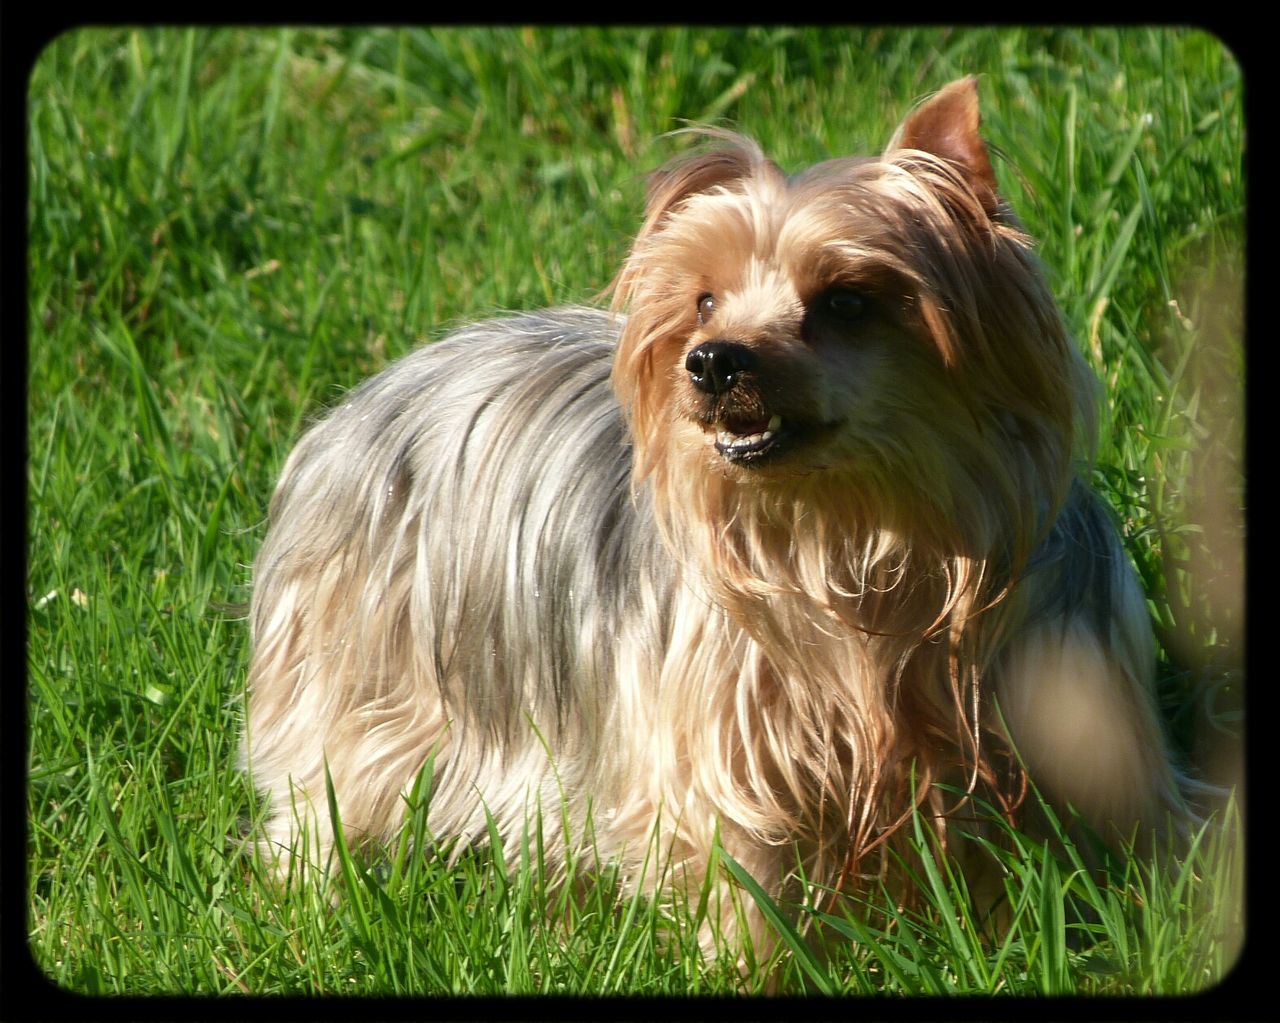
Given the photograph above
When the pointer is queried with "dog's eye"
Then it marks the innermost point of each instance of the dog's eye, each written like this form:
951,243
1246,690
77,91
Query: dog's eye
706,307
843,304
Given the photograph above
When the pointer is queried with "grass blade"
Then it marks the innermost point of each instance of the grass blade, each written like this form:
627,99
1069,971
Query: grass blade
781,925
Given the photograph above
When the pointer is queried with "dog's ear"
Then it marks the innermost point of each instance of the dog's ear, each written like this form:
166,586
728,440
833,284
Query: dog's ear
946,125
735,158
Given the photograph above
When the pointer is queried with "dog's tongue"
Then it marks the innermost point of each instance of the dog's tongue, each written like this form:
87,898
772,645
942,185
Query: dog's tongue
745,427
748,427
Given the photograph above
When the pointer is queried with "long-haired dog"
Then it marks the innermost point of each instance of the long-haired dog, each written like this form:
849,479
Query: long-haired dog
758,562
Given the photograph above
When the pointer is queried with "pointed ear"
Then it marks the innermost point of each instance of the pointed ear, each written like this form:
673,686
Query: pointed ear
946,125
735,158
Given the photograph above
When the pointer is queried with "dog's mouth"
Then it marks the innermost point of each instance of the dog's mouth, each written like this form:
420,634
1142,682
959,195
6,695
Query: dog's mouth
755,440
750,440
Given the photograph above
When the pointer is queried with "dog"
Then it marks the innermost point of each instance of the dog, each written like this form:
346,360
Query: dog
788,544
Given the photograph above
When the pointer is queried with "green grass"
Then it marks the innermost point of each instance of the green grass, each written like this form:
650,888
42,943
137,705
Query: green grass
227,228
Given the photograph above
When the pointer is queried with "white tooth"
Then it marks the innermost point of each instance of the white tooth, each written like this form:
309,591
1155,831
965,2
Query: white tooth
774,423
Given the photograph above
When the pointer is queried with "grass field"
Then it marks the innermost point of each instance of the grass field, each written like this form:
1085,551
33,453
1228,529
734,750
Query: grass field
228,228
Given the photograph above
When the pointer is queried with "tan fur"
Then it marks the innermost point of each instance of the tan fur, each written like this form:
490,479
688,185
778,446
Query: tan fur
599,608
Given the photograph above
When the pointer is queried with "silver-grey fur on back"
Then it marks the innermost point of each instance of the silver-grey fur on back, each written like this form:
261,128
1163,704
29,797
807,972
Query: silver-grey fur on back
497,462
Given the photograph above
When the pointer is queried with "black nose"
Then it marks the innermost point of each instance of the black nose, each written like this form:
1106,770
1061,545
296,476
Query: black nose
715,366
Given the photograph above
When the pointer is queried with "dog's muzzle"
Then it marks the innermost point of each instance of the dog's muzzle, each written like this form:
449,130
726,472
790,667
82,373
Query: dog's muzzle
744,431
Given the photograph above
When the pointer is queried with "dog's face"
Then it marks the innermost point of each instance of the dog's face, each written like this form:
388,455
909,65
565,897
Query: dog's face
877,324
797,350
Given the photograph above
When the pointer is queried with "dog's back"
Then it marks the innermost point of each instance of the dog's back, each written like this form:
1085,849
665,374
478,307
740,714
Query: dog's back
442,573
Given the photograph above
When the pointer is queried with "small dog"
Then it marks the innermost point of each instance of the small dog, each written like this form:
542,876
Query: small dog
757,562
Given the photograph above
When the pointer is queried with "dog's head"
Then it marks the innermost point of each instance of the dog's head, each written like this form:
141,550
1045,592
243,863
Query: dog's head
876,327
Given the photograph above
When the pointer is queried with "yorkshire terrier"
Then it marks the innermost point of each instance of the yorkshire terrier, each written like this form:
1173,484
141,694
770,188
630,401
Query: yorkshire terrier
787,545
